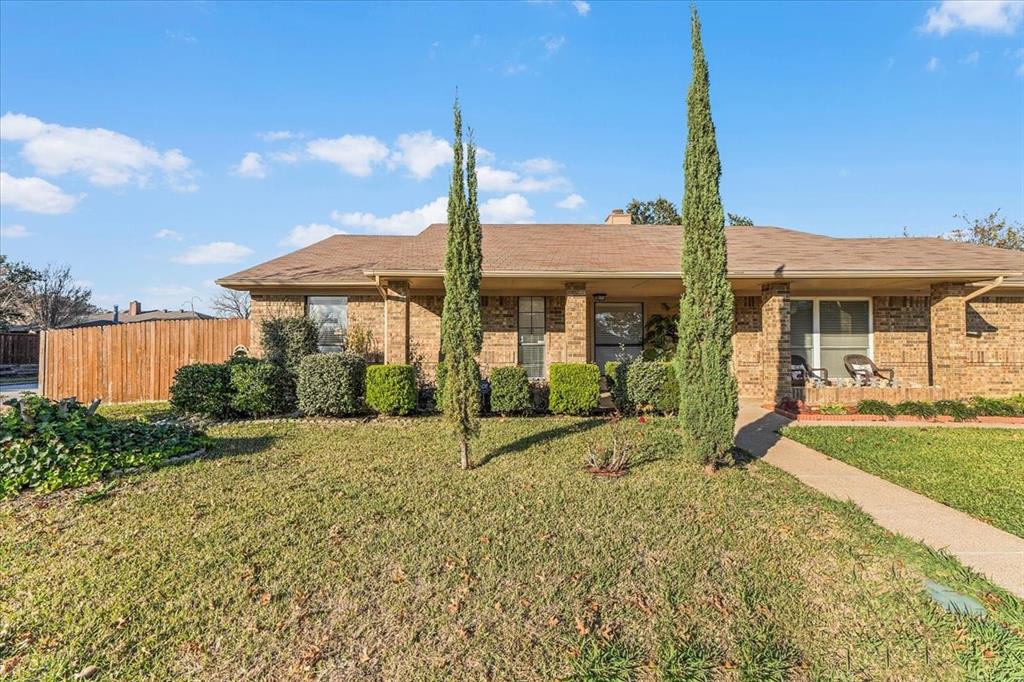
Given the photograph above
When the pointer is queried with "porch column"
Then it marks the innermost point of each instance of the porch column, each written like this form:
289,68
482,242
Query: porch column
396,323
948,335
575,322
776,380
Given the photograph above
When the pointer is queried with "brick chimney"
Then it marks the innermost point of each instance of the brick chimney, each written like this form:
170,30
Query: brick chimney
134,308
618,217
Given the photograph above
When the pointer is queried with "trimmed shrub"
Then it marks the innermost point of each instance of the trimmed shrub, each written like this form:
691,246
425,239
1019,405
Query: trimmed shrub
286,340
996,407
916,408
878,407
331,384
957,409
510,391
575,388
652,386
391,389
261,389
202,389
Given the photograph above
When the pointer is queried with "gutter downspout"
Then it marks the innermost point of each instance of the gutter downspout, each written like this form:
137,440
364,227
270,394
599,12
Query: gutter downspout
384,297
998,281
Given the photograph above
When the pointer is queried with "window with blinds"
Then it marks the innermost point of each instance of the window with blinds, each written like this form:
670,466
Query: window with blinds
531,335
824,331
331,313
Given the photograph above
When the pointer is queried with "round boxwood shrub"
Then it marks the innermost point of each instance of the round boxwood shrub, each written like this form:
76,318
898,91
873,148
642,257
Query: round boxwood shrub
510,391
331,384
202,389
575,388
261,389
652,386
391,389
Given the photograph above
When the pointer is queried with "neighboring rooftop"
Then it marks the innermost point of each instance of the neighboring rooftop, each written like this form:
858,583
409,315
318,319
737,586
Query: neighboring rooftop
135,313
625,250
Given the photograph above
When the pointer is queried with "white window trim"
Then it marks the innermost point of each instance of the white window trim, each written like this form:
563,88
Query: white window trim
816,322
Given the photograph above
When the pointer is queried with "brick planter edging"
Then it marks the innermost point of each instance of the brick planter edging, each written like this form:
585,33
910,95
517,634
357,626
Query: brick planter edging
941,419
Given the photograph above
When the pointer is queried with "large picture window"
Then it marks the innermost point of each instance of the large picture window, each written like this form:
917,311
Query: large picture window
331,313
618,330
824,331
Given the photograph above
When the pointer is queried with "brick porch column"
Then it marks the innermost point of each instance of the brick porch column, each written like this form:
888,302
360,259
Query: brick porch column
948,335
396,323
575,322
776,380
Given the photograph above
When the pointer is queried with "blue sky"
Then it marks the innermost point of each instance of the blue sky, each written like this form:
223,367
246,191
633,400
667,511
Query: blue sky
156,147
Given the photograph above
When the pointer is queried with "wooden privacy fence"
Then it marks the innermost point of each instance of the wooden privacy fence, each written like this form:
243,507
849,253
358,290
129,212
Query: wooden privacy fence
127,362
19,349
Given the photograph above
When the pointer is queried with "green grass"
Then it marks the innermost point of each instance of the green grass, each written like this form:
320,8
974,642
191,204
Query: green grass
978,471
351,550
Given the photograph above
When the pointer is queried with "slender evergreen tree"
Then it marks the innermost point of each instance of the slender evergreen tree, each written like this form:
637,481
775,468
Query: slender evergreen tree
461,331
707,388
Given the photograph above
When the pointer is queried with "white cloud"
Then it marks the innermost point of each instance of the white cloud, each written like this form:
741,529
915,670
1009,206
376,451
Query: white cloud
406,222
304,235
35,195
970,58
14,232
106,158
251,166
513,208
277,135
553,44
182,37
420,153
214,252
502,180
354,154
286,157
514,69
539,165
582,7
571,202
995,16
933,64
168,234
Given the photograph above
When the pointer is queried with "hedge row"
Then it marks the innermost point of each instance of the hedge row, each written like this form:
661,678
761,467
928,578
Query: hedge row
960,410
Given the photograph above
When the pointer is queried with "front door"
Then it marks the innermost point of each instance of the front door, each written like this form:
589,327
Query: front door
618,331
531,335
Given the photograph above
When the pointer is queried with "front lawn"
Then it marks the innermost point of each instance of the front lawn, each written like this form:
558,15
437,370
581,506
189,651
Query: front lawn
351,550
978,471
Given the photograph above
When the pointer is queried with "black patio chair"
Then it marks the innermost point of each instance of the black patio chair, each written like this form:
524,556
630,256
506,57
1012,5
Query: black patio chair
802,371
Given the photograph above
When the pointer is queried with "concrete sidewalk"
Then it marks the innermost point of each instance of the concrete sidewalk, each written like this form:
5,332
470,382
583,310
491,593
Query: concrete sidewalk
994,553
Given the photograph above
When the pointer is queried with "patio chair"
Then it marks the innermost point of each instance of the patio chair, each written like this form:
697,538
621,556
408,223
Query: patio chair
802,371
864,370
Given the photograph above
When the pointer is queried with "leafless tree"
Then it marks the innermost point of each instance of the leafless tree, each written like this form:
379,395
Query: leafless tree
55,300
232,303
15,279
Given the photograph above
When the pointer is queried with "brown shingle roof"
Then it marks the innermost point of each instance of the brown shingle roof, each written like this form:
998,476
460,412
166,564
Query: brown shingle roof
652,250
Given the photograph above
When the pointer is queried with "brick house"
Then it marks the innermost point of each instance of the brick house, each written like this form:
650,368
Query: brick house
947,317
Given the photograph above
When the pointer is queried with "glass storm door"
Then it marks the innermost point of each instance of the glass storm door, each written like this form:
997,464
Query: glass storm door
618,331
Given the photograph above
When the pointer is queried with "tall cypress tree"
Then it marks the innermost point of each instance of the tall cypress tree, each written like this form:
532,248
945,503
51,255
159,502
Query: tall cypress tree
461,332
707,388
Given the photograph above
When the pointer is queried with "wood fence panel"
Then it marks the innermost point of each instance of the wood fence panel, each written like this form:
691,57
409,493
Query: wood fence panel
19,349
131,362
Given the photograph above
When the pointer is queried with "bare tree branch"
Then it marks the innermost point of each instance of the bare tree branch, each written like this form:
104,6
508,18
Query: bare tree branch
232,303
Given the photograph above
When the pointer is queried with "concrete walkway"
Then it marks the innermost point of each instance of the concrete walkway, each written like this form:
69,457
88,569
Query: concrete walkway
994,553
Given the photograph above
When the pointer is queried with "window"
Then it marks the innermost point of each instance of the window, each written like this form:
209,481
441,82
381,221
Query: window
331,314
824,331
618,330
531,335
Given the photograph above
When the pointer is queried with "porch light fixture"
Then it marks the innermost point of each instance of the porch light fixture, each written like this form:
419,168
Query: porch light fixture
600,297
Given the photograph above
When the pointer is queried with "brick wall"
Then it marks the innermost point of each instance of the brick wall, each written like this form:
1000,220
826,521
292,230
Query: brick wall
396,314
554,328
268,306
367,312
776,358
746,347
994,346
576,316
902,327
